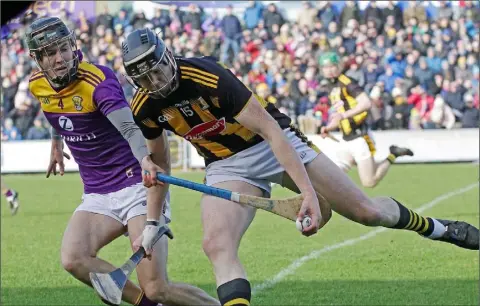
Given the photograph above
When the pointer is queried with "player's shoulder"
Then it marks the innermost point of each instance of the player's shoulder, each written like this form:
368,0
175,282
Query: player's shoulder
206,63
95,73
38,84
205,71
138,104
345,80
36,76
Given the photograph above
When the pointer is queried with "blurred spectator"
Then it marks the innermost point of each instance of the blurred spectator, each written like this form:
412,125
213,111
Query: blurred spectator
193,18
212,20
253,14
232,31
422,102
442,115
350,11
471,114
326,12
273,19
308,17
393,10
38,131
10,132
105,19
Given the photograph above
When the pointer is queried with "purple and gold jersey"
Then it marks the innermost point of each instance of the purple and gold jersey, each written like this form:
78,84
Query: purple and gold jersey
78,113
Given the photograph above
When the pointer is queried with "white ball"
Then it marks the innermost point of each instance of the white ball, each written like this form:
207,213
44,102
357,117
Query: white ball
306,222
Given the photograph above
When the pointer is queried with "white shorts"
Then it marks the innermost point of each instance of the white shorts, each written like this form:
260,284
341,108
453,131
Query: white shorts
257,165
351,152
121,205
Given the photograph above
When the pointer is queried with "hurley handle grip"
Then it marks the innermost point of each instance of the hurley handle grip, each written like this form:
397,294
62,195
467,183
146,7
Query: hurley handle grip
217,192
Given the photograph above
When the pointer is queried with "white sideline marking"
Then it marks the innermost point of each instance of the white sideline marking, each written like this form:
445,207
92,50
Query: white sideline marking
315,254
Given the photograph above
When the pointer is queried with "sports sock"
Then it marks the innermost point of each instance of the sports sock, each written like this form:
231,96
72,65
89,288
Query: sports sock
236,292
391,158
142,300
412,221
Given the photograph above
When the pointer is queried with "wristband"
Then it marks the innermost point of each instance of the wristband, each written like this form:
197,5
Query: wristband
152,222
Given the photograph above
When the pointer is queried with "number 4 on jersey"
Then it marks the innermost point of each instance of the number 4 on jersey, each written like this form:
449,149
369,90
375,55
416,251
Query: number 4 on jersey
60,104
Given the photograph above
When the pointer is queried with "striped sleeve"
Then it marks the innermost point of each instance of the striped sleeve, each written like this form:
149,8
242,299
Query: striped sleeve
150,129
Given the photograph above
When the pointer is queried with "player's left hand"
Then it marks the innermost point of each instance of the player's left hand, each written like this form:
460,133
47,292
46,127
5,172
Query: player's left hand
149,172
310,207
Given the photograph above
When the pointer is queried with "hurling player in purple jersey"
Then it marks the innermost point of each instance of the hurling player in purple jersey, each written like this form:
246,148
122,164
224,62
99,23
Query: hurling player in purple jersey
12,198
86,108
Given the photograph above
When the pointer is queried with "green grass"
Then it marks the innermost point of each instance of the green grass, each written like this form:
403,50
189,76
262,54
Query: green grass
392,268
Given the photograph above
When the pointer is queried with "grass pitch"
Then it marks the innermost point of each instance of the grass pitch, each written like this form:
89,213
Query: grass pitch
386,268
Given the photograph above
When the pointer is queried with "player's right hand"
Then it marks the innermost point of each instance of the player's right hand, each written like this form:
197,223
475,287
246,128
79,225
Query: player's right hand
56,157
323,132
149,172
310,207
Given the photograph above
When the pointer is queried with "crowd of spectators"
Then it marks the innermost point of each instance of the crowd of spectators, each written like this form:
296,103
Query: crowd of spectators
418,61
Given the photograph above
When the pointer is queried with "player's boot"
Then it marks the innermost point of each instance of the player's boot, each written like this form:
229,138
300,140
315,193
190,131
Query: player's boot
13,201
399,151
460,234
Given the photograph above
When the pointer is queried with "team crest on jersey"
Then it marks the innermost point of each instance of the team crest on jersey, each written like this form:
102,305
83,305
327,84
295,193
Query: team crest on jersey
44,100
206,129
203,104
77,101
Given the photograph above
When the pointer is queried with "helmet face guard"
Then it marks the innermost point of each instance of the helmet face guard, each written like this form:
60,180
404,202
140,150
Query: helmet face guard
154,69
53,47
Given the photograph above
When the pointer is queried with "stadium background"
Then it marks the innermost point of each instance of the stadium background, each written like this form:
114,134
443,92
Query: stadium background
416,60
345,264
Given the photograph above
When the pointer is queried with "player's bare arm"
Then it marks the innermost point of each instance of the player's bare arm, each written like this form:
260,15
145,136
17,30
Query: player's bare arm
160,155
363,104
56,155
257,119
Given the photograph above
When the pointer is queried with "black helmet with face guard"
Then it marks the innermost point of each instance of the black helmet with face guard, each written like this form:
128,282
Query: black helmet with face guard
53,47
149,63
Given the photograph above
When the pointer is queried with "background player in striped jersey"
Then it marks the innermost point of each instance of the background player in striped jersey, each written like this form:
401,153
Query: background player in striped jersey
352,105
86,107
247,144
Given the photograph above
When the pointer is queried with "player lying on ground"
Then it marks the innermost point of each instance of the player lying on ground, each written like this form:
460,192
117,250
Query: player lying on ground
352,105
12,198
86,107
247,143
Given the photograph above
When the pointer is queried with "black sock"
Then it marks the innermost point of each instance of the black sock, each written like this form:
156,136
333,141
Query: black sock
236,292
144,301
412,221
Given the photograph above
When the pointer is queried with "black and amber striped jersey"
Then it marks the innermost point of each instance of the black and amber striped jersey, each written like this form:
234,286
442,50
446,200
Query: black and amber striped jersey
203,110
347,90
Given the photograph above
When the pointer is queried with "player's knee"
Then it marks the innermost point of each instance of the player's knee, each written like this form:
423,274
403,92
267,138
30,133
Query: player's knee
157,291
71,262
214,246
369,183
